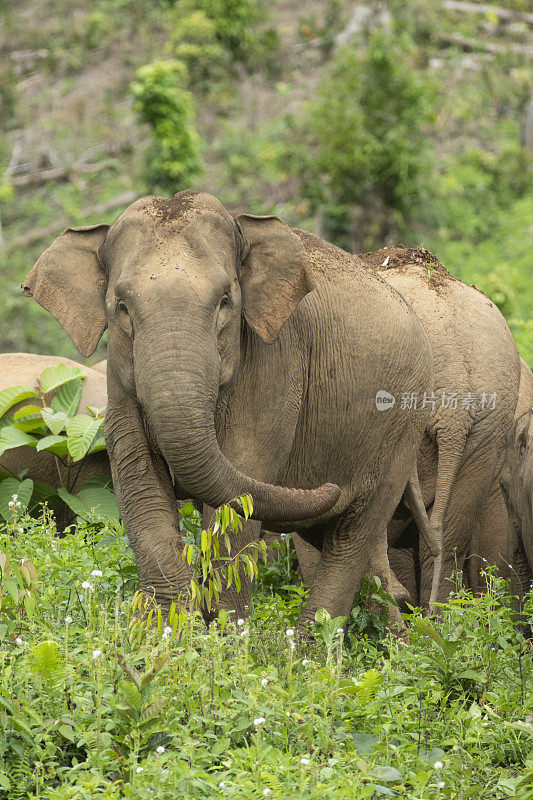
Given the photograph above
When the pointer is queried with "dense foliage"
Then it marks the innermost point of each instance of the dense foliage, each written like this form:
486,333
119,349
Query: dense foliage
399,121
93,704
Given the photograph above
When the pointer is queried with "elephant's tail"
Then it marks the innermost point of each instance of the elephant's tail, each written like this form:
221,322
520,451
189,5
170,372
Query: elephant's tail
418,510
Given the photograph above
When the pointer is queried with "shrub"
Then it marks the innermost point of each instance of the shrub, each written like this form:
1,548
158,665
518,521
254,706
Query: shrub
58,429
173,158
366,137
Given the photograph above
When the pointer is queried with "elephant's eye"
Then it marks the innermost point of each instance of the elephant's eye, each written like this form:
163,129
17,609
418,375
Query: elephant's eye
226,302
124,319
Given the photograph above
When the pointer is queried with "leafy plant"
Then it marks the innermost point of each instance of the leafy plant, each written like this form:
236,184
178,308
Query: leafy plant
202,552
18,584
173,159
51,423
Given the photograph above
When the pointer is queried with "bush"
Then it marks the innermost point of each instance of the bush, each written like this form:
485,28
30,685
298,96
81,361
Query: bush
173,158
366,138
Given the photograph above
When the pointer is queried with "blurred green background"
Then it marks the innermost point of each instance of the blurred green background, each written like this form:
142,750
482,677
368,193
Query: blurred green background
369,123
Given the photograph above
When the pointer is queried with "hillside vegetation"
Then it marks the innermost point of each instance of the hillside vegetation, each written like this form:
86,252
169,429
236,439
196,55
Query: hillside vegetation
369,124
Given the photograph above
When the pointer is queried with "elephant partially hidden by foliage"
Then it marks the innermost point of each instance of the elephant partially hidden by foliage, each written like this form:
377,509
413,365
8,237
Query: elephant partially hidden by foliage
244,357
24,369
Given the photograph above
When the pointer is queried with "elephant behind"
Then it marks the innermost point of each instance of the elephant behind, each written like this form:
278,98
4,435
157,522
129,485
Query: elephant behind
517,486
24,369
477,374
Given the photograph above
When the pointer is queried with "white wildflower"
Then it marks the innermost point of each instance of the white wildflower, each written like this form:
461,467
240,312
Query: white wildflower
160,750
221,785
68,619
304,762
18,504
244,632
438,765
305,661
259,721
21,530
441,785
11,504
97,653
167,629
97,573
139,770
264,681
18,640
340,630
240,622
289,632
87,585
266,792
292,644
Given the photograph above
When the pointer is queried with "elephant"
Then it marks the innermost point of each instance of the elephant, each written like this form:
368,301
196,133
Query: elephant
516,482
477,374
24,369
100,366
244,357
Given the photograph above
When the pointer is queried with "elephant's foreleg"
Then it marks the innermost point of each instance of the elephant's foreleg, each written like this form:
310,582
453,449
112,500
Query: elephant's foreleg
147,504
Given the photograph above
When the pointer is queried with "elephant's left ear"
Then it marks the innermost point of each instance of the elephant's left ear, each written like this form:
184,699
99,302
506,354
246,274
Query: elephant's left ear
274,274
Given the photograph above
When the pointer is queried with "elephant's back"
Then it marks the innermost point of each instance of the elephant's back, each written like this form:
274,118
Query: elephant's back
525,393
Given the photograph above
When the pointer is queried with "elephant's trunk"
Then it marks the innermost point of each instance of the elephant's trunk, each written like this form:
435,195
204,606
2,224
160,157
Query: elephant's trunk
178,393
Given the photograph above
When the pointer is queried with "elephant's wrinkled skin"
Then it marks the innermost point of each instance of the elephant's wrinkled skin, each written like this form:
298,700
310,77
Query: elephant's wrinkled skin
239,347
516,481
495,540
463,448
24,369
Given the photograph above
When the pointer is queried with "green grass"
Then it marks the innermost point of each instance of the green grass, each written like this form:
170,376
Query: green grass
239,711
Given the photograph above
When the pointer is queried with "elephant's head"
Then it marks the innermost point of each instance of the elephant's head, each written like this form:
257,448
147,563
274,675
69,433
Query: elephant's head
517,479
174,280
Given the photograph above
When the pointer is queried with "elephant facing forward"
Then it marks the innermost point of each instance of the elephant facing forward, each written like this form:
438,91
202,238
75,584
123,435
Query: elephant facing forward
244,357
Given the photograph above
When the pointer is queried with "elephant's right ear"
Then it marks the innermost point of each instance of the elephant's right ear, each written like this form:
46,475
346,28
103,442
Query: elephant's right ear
69,282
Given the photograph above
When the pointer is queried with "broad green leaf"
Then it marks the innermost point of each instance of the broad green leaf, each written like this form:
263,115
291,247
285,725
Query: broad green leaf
388,774
56,421
53,377
14,394
91,502
81,431
98,443
28,418
11,438
364,742
30,605
131,694
8,488
68,397
54,444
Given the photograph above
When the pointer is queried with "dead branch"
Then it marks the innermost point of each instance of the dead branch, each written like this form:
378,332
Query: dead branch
62,222
470,45
504,14
56,174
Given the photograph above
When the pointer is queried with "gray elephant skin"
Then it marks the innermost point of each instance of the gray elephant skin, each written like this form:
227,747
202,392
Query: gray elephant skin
462,452
244,356
517,486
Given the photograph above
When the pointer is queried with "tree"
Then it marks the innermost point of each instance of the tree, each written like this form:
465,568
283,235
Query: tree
173,158
366,148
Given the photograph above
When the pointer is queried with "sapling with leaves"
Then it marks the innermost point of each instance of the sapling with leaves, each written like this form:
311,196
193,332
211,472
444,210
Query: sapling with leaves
214,570
46,417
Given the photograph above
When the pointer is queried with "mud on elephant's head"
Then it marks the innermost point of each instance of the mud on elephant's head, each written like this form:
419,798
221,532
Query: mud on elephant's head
174,280
517,480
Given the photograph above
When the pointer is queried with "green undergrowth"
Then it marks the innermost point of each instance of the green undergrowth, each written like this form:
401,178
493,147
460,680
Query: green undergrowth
92,706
